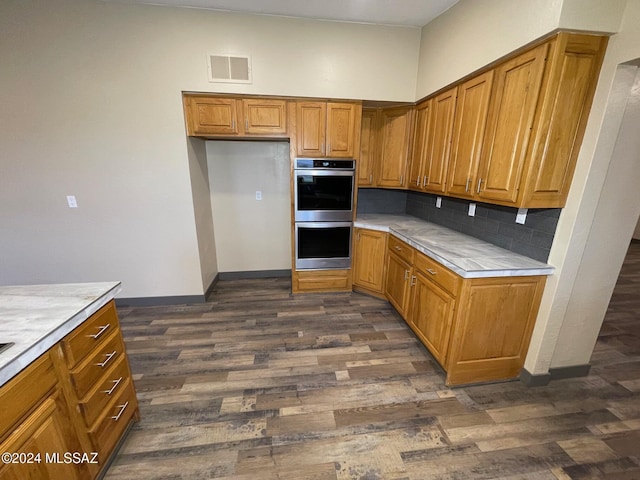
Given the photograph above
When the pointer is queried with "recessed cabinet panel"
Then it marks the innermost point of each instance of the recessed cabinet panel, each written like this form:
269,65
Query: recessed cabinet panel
213,115
368,261
397,289
439,142
511,112
468,131
420,144
394,146
341,131
368,148
311,128
263,117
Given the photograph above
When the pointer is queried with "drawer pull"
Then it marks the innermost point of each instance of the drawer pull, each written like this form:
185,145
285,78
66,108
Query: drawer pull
103,329
406,274
115,385
107,360
122,409
431,271
398,248
413,280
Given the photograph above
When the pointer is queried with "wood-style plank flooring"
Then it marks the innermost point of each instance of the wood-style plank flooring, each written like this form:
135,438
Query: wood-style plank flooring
258,384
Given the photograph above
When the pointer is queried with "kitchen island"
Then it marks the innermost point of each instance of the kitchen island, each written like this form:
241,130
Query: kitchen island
471,303
66,392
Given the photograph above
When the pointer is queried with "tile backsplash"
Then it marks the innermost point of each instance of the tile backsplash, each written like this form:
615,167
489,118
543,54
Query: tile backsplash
491,223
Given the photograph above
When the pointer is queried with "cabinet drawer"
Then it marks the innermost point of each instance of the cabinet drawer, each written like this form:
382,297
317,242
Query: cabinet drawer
114,420
438,273
94,367
323,280
404,251
25,391
103,391
91,333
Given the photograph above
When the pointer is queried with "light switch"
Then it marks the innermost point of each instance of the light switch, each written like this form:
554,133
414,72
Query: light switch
438,202
258,195
472,209
71,201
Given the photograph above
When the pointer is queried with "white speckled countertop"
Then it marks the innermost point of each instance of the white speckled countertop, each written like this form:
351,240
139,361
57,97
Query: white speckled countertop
36,317
469,257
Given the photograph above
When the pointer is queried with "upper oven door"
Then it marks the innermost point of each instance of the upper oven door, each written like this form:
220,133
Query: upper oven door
323,195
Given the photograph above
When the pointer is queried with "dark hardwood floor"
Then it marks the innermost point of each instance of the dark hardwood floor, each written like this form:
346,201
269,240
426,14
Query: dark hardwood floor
257,384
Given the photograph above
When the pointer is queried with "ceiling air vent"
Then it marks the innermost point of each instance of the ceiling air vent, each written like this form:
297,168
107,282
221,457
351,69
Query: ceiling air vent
229,68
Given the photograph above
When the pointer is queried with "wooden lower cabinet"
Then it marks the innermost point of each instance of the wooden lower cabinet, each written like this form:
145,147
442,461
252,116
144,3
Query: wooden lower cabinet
477,329
76,399
368,260
431,315
319,281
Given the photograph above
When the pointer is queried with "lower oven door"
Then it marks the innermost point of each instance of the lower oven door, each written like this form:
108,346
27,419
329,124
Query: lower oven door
323,245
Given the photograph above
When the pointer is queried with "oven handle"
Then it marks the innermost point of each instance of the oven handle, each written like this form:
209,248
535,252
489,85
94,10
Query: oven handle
324,173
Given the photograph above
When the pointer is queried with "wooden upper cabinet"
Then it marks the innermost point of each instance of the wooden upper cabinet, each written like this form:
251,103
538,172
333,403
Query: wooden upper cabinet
439,142
569,87
327,129
468,132
515,94
341,129
264,116
368,147
422,124
311,127
395,140
211,115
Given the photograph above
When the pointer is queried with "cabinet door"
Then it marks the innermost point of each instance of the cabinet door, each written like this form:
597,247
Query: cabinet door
394,147
439,141
468,132
368,261
493,328
48,432
212,116
397,283
368,148
431,315
311,128
341,130
512,108
264,116
568,93
419,148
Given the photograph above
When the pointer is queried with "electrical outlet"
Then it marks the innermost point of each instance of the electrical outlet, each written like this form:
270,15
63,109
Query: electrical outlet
521,216
438,202
472,209
258,195
71,201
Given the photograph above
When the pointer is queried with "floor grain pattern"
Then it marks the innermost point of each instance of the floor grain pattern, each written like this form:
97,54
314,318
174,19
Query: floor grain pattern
258,384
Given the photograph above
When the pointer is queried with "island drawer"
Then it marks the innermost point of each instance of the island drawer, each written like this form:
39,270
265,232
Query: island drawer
103,391
79,343
24,391
94,367
404,251
114,419
438,273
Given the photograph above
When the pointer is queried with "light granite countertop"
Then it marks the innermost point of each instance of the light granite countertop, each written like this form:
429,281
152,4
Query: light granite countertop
36,317
469,257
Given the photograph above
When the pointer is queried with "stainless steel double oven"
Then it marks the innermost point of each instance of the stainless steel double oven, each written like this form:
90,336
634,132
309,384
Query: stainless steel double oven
323,204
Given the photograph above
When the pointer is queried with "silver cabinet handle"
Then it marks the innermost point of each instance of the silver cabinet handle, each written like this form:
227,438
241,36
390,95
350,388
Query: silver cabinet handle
101,330
406,274
479,184
122,409
371,178
413,280
246,124
107,360
466,187
115,385
401,179
398,248
418,181
426,179
431,271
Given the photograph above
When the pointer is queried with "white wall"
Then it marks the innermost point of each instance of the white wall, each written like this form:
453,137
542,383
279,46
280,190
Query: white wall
250,234
92,106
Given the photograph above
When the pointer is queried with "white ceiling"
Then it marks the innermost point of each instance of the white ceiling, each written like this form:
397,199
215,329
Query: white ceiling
414,13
